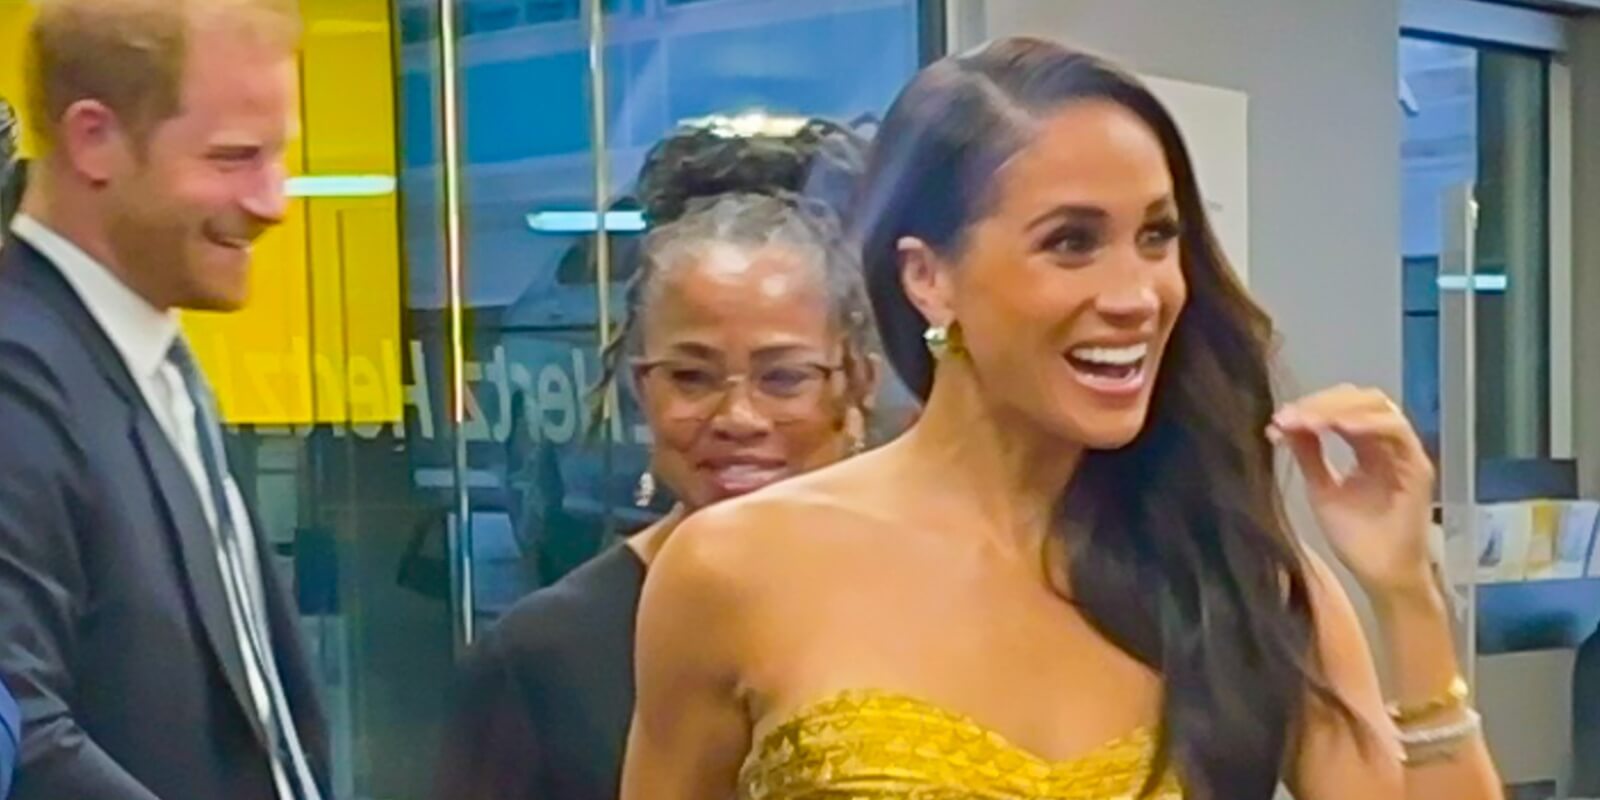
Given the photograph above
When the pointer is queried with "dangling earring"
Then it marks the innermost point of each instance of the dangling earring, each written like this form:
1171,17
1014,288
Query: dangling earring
855,431
645,493
944,340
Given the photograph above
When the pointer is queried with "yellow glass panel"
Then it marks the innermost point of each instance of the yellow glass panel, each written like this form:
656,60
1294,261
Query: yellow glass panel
14,18
257,358
320,342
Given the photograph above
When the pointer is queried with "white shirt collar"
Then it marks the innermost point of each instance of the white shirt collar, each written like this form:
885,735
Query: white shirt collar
141,332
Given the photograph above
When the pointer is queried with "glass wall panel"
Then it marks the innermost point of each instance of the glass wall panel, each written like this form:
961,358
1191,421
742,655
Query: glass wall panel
333,381
541,494
1478,115
532,344
346,429
553,486
1477,125
1513,241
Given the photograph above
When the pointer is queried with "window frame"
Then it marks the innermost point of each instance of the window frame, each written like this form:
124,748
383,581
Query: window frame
1543,34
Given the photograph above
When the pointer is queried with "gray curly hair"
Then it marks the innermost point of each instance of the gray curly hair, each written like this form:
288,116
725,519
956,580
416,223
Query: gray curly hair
699,188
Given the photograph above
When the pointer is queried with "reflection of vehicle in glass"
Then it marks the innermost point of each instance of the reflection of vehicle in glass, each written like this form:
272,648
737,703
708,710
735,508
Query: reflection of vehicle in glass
532,296
667,62
572,477
534,452
549,485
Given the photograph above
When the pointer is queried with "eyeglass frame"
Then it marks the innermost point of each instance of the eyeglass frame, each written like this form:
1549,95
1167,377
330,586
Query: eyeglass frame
643,367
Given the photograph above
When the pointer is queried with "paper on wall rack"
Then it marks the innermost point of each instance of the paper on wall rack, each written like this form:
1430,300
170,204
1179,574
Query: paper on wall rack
1575,541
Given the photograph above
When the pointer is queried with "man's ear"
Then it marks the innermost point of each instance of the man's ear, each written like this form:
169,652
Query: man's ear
93,141
927,281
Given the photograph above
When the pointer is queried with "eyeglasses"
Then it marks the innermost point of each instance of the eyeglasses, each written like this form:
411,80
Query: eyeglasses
782,391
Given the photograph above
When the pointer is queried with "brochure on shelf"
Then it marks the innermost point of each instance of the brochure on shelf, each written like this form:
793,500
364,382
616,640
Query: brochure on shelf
1504,531
1537,540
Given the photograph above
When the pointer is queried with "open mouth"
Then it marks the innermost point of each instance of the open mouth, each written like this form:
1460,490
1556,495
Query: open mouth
731,477
226,242
1114,370
229,244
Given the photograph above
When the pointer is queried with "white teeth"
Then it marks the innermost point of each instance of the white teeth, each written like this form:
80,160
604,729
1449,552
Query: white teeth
1112,356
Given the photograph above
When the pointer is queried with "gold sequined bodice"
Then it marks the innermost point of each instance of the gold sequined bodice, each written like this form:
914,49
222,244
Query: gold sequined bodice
876,745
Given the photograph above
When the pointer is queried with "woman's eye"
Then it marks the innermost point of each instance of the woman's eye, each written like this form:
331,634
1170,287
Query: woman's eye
1075,242
1160,234
689,378
785,381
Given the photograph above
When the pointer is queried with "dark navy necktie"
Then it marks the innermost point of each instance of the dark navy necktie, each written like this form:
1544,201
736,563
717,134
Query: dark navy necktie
254,637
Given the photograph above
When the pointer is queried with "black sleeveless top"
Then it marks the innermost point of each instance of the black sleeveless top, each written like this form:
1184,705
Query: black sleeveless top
546,697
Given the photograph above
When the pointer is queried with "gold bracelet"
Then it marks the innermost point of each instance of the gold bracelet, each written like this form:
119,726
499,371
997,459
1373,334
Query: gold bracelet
1455,697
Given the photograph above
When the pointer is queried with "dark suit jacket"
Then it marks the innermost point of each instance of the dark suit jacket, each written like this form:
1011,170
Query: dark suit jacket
115,634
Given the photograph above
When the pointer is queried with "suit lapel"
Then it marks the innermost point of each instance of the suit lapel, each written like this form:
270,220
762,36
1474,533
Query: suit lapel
186,527
197,548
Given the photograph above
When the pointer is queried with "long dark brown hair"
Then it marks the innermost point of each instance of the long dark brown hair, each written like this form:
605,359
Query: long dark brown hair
1175,547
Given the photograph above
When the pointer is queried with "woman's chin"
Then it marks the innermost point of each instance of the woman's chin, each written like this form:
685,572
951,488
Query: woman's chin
1112,433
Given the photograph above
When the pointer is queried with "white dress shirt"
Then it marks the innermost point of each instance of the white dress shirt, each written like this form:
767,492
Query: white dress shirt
142,336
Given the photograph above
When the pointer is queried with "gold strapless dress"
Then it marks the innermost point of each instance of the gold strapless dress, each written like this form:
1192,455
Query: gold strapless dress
877,745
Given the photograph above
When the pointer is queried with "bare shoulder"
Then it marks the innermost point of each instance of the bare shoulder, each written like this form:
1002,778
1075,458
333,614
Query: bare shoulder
722,584
719,549
752,553
749,540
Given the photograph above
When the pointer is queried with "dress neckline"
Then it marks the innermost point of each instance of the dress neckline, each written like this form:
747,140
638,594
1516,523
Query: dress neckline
1140,739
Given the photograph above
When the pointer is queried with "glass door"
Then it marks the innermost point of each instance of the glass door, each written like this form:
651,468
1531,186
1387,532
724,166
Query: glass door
560,113
1478,117
1476,158
410,396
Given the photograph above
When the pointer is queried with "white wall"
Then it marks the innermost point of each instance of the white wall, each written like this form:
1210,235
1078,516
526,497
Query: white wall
1324,148
1324,161
1324,225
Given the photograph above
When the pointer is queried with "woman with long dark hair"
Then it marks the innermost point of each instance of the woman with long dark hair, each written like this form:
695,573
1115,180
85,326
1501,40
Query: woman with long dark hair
748,343
1073,578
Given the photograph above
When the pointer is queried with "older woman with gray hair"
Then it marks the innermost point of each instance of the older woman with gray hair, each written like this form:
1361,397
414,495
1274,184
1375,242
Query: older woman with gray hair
748,343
